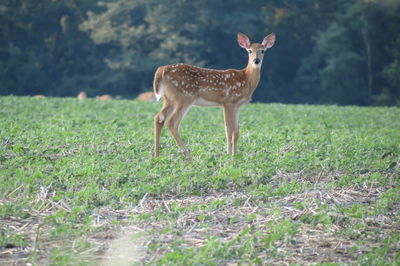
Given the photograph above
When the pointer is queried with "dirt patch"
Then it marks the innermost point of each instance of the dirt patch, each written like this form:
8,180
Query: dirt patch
320,237
314,242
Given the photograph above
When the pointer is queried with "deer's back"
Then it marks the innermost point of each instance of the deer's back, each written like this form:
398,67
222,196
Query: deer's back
210,85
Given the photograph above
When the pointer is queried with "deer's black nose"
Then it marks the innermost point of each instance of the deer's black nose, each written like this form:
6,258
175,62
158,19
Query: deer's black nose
256,61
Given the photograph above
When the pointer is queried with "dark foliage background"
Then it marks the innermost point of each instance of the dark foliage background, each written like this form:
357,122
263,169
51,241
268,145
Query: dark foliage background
327,52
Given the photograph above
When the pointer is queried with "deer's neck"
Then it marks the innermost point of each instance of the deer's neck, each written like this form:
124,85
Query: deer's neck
253,77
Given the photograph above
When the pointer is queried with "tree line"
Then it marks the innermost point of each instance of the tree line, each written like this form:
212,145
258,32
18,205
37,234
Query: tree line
327,52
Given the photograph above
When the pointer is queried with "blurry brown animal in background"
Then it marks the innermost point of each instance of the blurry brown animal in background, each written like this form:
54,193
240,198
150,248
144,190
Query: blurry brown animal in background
82,95
104,97
147,97
39,96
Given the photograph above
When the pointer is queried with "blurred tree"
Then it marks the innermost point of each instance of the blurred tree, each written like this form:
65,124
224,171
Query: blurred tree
388,58
346,62
143,34
297,24
335,70
42,50
390,94
336,52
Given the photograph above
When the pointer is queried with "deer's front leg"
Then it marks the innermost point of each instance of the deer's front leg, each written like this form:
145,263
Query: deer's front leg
229,126
235,129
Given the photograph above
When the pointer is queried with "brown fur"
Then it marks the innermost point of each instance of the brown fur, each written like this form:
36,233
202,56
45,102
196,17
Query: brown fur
82,95
182,85
158,76
104,97
146,97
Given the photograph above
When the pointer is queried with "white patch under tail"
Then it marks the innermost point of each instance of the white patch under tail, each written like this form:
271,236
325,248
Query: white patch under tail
160,92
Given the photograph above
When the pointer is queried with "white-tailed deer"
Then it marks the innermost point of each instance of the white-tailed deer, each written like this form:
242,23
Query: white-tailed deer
82,95
146,97
182,86
104,97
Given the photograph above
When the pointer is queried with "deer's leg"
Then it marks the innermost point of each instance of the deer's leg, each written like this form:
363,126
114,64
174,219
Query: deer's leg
229,127
173,122
159,120
235,129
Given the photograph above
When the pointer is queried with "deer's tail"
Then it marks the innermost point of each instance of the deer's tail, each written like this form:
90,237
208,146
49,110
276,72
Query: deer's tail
157,84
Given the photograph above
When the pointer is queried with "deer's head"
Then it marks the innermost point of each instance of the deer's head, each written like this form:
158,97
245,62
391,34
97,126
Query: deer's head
256,50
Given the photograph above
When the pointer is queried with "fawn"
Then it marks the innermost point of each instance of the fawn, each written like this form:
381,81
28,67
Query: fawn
182,86
146,97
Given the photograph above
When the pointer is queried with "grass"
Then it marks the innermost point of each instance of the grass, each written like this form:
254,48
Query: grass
312,184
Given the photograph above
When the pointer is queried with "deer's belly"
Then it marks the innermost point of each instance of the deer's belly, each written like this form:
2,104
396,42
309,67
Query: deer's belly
204,102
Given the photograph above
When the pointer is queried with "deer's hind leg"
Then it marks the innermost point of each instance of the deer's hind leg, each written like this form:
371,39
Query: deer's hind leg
159,121
173,121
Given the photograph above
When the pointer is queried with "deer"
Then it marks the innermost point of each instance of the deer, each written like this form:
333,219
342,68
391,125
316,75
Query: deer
182,86
146,97
82,95
104,97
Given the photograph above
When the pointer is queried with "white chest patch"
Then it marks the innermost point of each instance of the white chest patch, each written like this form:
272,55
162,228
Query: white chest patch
243,100
203,102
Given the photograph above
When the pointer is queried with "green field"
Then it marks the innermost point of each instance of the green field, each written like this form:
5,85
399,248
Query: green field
311,184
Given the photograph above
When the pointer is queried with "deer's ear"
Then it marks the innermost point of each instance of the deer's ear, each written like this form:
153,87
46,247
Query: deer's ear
243,40
269,41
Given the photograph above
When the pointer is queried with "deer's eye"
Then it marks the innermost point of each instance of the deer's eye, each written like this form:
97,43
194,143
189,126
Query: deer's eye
250,51
262,51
